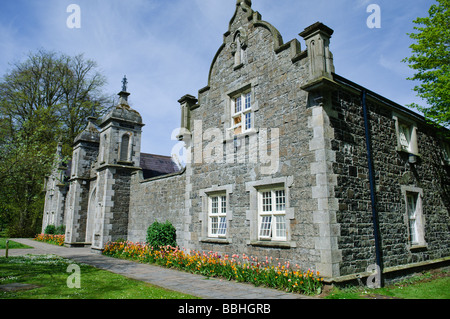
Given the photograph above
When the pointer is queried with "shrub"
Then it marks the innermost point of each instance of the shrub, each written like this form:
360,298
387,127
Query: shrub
50,230
159,234
60,230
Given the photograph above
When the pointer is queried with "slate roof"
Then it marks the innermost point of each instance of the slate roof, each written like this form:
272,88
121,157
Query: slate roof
157,165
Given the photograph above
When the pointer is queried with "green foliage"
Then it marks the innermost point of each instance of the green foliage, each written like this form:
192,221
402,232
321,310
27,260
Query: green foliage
431,61
159,234
43,100
50,230
49,273
60,230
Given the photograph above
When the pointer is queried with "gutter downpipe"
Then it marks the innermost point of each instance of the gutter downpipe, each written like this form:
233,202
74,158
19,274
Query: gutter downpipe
378,279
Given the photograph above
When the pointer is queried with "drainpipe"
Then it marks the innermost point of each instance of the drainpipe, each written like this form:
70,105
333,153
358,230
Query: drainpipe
372,191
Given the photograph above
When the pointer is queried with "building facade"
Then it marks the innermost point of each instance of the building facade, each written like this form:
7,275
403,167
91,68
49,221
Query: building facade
285,158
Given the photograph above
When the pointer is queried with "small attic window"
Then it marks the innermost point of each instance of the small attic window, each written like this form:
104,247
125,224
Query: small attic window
238,49
406,136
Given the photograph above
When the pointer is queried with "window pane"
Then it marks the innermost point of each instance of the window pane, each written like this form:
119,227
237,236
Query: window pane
214,205
280,201
267,202
280,226
413,231
214,225
248,121
222,226
238,105
404,136
266,226
248,101
411,209
224,204
411,202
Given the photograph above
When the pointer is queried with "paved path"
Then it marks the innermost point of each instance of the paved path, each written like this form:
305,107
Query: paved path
184,282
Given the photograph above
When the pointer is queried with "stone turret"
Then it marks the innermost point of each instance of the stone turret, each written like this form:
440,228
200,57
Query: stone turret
119,158
85,152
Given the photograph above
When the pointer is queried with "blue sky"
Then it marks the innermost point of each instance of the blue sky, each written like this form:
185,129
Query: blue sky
166,47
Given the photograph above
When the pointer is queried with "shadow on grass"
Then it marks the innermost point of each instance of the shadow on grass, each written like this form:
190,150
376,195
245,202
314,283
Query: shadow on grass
50,273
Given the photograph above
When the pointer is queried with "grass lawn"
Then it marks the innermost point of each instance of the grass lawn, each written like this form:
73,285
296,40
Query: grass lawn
428,285
12,244
50,274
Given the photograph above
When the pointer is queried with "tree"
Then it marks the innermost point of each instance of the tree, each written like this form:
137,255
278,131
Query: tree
431,61
43,100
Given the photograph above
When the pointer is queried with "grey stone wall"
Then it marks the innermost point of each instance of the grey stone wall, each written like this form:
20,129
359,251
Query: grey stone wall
274,79
159,199
392,173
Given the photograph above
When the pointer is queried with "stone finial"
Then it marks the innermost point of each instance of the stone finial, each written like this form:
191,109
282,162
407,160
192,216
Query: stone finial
123,95
247,2
124,83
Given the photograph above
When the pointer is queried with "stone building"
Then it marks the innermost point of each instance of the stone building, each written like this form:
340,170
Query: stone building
285,159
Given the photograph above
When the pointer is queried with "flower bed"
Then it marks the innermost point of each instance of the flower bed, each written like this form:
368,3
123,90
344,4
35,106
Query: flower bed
51,239
268,272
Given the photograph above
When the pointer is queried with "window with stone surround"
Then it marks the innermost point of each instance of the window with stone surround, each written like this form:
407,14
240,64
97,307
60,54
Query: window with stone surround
406,132
241,113
217,215
272,214
414,216
124,148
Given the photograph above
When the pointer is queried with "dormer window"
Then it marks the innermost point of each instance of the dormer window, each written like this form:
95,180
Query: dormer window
406,132
405,137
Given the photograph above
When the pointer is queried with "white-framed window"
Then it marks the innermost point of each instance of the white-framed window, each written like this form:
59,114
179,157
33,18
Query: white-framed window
414,216
217,215
411,207
242,114
272,214
406,136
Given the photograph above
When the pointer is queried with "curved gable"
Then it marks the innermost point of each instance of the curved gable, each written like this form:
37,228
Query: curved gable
243,20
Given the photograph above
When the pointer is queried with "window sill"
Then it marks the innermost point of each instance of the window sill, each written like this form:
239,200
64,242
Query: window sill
249,132
417,247
237,67
211,240
126,163
271,244
407,152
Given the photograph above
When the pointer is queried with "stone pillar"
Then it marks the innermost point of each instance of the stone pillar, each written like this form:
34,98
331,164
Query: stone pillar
324,217
317,38
186,103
